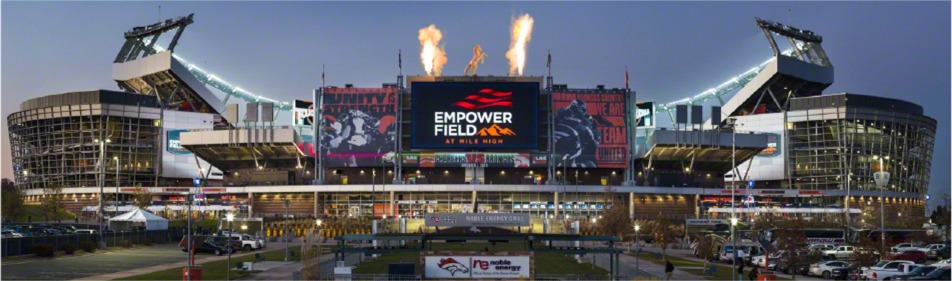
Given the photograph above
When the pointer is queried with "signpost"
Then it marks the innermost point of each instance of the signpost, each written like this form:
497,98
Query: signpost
477,219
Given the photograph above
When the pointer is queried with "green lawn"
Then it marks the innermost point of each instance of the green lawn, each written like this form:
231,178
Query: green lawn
545,263
723,270
215,270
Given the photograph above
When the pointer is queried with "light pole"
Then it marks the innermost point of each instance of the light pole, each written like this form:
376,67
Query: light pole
231,218
117,183
734,249
373,191
102,184
287,243
637,246
881,178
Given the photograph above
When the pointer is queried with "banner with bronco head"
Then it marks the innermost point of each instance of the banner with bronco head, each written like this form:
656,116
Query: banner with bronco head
475,115
359,126
590,128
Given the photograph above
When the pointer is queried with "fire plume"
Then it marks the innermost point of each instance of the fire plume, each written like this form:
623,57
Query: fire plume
432,54
520,33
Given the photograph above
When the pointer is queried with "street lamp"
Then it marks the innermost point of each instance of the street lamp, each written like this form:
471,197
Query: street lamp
734,248
102,183
230,217
881,178
117,183
637,246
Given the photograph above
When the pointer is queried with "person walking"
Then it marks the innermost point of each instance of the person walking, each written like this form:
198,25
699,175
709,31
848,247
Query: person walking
740,270
753,274
668,269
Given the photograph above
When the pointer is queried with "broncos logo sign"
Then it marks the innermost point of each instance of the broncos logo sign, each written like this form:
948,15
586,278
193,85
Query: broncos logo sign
453,266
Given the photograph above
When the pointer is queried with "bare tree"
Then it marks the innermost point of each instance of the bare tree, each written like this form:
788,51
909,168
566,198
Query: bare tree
867,251
664,231
142,197
791,238
12,199
52,201
614,221
705,248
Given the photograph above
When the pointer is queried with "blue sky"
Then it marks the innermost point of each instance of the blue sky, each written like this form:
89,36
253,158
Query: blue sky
673,50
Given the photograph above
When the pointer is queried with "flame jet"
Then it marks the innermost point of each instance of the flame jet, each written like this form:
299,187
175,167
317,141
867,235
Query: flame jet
432,54
520,33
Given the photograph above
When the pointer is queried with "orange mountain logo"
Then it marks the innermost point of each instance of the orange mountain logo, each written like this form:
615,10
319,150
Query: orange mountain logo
495,131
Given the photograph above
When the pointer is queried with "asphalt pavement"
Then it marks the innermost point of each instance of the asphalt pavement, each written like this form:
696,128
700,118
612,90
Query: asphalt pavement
63,267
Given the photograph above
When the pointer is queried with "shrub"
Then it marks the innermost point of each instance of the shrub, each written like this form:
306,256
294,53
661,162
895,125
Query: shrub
146,241
125,243
88,246
69,249
42,250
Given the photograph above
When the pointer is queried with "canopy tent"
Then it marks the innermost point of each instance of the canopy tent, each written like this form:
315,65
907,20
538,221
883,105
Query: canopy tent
138,217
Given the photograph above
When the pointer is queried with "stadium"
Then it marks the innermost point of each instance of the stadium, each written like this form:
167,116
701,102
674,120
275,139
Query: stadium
768,140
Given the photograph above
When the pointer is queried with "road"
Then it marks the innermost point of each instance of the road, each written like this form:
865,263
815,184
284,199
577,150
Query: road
65,267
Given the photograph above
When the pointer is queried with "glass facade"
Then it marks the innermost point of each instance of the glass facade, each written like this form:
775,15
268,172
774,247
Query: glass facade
835,140
53,140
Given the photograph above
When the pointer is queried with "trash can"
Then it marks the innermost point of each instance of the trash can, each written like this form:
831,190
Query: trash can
766,276
196,273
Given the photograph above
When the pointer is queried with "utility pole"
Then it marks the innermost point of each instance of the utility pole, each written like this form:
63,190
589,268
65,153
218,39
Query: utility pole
287,243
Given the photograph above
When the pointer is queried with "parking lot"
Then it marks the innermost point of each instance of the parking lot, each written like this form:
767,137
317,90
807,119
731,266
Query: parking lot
64,267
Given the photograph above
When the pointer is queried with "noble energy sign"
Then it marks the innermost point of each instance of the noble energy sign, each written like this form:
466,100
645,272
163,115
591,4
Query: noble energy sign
475,115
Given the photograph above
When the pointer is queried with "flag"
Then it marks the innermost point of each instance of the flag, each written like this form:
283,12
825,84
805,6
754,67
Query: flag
549,62
626,77
322,75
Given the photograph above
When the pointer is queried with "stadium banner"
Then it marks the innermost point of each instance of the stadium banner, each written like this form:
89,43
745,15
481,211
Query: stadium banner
359,126
477,267
469,160
645,114
303,113
477,219
174,144
475,115
590,128
773,146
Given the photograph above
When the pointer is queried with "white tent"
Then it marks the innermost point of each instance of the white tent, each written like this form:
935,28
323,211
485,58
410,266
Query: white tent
138,217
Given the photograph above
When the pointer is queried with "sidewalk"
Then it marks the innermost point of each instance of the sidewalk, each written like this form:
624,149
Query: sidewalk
144,270
688,254
658,269
284,271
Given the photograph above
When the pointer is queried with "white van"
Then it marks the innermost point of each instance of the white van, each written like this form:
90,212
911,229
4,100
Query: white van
747,251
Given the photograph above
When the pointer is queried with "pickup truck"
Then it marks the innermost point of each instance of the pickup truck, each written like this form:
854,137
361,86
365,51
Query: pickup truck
249,243
902,247
932,250
841,252
886,269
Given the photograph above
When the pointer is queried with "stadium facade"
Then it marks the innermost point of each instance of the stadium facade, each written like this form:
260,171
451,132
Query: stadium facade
475,143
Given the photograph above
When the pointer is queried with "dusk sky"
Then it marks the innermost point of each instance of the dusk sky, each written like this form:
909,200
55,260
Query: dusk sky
673,50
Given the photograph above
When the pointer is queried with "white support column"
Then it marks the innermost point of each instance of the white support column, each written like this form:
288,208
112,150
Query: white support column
251,201
317,211
392,214
557,205
473,203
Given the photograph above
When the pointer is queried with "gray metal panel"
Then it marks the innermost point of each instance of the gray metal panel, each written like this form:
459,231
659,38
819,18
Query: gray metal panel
715,115
231,113
267,112
251,113
681,111
697,114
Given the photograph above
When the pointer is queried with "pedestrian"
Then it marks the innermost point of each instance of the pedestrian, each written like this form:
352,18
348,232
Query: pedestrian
740,270
753,274
668,269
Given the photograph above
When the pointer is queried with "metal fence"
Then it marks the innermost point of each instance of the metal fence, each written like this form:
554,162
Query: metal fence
21,245
625,271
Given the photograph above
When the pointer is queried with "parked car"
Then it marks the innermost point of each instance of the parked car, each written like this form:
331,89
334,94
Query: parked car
942,263
230,243
902,247
210,247
820,247
841,252
825,268
85,231
918,271
910,255
843,272
761,260
882,268
9,233
937,274
931,250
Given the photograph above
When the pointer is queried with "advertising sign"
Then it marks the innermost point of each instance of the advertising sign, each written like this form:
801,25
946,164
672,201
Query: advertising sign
477,267
303,113
359,126
645,115
590,128
773,146
474,115
477,219
467,160
174,146
708,222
